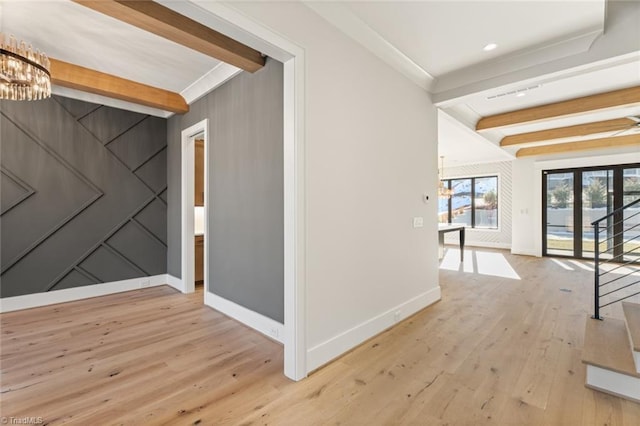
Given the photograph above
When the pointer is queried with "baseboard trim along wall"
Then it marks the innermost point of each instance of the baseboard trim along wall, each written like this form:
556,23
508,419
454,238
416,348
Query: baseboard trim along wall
175,283
525,252
16,303
321,354
265,325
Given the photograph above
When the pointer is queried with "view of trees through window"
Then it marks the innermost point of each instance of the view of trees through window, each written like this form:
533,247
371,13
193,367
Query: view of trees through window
474,202
581,196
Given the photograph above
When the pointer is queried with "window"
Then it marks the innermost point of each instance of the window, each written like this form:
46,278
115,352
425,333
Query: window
474,202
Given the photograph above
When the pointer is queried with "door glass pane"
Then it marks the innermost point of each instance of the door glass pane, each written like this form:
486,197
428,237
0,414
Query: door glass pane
486,201
560,214
461,201
597,202
631,192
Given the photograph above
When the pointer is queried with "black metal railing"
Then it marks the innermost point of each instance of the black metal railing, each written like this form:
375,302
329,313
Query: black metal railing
620,254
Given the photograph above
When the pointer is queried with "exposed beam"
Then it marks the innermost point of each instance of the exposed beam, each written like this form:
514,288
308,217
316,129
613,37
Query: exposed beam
587,145
92,81
166,23
616,98
567,132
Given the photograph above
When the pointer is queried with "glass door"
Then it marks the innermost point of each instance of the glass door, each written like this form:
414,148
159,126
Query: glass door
581,196
630,193
597,201
559,214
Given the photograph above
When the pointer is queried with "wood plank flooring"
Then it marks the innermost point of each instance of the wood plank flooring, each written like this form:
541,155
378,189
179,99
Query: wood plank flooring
494,351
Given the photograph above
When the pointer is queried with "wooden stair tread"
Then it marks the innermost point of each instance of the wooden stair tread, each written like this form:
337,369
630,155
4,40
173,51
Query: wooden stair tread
632,315
606,345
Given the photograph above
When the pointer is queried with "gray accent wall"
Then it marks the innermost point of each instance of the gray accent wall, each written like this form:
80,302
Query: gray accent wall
83,190
245,159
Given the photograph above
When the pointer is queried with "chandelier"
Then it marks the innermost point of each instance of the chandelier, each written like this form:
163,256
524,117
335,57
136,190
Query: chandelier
443,191
24,73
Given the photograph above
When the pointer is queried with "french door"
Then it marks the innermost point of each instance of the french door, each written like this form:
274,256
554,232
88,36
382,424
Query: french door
573,198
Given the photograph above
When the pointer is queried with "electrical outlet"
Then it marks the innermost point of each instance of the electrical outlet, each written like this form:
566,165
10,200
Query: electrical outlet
396,316
145,283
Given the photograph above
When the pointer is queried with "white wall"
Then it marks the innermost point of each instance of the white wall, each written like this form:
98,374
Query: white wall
527,195
371,154
501,237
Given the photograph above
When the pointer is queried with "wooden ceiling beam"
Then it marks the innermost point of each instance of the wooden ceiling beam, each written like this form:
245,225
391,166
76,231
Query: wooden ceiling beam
567,132
92,81
166,23
587,145
616,98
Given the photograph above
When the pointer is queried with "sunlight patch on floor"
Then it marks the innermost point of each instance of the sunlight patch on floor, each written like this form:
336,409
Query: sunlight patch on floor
562,264
581,265
479,262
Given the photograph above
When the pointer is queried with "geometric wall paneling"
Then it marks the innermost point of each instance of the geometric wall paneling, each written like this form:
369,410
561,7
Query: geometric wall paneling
107,123
61,192
107,265
83,195
77,109
153,172
152,260
103,244
13,190
152,217
163,196
140,143
75,278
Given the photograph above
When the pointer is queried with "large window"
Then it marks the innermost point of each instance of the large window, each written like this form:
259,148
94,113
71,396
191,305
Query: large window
474,202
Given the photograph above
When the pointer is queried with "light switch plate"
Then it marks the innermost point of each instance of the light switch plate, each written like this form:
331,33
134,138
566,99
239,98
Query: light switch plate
418,222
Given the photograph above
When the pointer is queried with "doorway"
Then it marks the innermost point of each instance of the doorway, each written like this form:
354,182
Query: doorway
574,198
191,137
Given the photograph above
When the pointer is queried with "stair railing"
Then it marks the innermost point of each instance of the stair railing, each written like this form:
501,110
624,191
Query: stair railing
623,252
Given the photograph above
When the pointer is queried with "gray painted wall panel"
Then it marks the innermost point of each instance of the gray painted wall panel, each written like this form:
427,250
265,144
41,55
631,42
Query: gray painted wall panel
246,192
82,194
73,279
106,266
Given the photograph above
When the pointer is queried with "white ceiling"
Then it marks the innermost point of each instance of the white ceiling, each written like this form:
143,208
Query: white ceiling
444,36
429,41
601,80
445,40
73,33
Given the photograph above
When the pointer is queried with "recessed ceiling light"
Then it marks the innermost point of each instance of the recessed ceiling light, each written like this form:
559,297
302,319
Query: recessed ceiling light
489,47
521,94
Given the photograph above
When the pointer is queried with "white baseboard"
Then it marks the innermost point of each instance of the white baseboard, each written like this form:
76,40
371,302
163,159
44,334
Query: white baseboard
175,282
258,322
636,358
525,252
613,383
16,303
338,345
485,244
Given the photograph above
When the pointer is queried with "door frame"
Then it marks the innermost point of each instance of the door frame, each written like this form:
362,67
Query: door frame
246,30
187,203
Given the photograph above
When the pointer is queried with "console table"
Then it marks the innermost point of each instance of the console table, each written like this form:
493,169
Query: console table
443,228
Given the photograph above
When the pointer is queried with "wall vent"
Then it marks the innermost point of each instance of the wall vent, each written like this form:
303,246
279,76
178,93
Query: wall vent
514,92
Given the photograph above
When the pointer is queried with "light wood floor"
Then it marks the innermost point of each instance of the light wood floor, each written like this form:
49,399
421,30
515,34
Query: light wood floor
495,350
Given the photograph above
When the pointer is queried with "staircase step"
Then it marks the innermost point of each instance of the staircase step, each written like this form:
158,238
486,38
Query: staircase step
608,356
632,317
